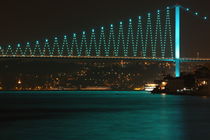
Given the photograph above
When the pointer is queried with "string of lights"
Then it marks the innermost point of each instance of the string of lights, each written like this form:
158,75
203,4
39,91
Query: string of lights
144,36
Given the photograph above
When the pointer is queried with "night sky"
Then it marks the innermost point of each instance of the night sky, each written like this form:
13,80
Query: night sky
30,20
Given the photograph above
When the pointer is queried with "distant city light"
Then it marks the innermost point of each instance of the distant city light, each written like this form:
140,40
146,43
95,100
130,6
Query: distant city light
204,83
164,83
19,82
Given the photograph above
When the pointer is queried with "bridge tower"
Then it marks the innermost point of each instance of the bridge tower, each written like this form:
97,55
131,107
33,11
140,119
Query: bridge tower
177,39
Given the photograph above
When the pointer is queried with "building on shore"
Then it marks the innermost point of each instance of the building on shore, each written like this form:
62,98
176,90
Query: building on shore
185,85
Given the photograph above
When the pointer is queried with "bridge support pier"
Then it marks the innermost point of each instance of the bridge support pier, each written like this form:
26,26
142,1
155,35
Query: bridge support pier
177,68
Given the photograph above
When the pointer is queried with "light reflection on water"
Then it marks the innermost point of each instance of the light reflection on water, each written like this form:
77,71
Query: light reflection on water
104,116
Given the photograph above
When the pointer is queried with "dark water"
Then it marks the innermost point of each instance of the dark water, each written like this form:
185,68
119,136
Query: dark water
103,116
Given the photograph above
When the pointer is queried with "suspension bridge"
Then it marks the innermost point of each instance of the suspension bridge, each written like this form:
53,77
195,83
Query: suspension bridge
155,36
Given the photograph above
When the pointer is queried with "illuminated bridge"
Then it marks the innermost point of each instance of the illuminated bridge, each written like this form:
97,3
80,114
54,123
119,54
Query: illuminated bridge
154,36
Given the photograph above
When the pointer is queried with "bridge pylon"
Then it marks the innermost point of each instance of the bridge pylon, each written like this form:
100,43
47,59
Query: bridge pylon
177,39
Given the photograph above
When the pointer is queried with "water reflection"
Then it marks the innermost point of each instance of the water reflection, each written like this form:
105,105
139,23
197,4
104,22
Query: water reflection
108,116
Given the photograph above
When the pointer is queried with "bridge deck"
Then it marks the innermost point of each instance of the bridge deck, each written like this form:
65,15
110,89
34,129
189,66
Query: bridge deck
108,57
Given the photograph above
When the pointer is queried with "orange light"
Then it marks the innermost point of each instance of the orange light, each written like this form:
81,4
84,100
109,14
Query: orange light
164,83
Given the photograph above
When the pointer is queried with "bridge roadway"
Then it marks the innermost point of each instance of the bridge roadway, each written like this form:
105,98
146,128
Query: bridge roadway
108,57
